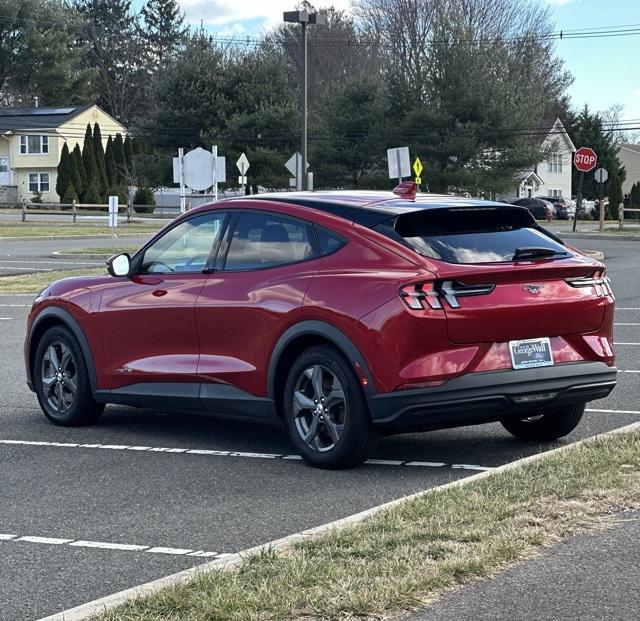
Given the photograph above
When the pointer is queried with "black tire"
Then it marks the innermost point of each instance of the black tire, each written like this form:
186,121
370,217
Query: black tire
66,408
345,435
547,425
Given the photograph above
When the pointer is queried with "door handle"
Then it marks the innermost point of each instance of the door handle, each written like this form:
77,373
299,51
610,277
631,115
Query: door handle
159,292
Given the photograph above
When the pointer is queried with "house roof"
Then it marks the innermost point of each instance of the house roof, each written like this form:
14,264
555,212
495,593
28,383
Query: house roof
551,126
25,119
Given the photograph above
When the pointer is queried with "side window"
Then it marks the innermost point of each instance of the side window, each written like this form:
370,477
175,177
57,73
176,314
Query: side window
328,242
262,240
185,248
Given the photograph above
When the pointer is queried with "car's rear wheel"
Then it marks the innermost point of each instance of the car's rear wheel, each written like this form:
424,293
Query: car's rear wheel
325,411
62,382
546,425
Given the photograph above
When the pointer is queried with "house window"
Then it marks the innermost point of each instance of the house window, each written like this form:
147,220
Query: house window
555,163
38,182
34,145
4,164
555,193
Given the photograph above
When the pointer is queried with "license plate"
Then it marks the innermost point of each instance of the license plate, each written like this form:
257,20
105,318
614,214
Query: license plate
531,353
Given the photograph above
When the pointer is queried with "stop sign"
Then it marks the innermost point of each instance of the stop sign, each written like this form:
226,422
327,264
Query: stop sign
585,159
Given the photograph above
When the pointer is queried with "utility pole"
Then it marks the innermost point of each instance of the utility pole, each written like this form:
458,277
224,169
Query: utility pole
303,18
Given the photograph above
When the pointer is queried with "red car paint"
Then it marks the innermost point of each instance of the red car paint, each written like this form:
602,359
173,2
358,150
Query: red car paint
223,327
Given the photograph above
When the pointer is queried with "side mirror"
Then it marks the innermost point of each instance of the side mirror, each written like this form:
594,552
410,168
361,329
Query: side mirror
119,264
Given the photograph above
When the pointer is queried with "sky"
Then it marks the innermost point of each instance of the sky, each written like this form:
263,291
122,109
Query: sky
606,70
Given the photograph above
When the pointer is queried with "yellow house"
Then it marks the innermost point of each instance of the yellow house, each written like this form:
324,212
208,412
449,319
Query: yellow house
31,141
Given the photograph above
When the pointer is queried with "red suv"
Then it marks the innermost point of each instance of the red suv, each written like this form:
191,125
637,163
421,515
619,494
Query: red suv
343,315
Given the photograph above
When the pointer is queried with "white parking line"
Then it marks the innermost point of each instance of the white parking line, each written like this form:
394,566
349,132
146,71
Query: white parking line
6,318
15,305
628,308
616,343
103,545
626,324
628,371
215,453
612,411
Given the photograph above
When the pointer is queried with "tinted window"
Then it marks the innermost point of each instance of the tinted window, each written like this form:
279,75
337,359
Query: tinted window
478,235
261,240
327,242
185,248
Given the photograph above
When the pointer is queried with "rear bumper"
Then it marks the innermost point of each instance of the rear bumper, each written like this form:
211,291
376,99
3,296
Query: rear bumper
485,397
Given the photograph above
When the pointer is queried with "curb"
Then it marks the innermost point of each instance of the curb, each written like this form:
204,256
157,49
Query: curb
597,255
85,611
79,255
72,237
597,236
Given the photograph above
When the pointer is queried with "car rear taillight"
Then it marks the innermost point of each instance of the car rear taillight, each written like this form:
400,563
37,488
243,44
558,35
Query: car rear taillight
433,293
599,280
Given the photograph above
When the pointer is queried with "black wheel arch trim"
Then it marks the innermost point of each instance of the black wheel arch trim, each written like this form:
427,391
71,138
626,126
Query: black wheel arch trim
331,333
71,324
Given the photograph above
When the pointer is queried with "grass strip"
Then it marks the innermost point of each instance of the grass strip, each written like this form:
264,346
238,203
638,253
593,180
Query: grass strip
401,558
68,229
106,250
33,283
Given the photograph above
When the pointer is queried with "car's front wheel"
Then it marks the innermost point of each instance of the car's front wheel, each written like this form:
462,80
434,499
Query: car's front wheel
62,382
325,411
549,424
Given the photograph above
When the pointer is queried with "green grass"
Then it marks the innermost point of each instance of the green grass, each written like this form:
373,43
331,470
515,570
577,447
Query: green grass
33,283
400,559
107,250
45,229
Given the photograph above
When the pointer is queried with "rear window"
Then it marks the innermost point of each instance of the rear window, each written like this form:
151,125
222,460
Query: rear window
469,235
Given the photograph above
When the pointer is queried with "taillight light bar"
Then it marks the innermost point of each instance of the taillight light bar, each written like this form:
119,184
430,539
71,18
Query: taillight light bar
433,293
602,284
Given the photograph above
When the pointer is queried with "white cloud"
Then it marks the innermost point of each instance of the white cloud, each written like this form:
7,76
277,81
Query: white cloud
226,12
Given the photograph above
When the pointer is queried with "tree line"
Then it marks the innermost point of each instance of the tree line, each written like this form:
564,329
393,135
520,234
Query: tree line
463,83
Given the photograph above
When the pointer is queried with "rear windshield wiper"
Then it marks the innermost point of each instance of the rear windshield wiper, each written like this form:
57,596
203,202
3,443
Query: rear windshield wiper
535,252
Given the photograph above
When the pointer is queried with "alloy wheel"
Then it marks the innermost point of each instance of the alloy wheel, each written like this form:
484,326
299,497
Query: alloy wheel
58,374
319,408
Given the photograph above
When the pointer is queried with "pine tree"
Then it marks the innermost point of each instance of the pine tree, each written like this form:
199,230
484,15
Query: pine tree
92,184
110,163
64,166
69,195
100,160
128,152
120,159
74,173
163,29
79,165
615,195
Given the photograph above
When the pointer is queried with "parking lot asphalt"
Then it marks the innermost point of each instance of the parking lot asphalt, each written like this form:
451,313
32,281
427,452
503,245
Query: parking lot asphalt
151,493
28,256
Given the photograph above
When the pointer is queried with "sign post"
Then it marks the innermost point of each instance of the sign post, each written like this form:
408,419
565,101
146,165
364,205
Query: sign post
243,166
418,168
113,214
183,199
294,166
584,160
601,175
399,163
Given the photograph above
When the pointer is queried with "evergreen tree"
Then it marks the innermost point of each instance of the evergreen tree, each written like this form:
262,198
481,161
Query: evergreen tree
100,160
634,196
120,159
69,195
79,166
615,195
64,167
163,29
110,163
128,151
92,184
74,173
92,194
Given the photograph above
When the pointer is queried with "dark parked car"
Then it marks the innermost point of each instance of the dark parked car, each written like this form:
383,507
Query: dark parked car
539,208
341,316
565,210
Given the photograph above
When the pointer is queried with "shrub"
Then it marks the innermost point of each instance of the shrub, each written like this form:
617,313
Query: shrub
143,200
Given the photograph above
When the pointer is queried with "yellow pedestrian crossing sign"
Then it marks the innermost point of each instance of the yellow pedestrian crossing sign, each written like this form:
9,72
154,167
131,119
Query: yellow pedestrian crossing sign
418,168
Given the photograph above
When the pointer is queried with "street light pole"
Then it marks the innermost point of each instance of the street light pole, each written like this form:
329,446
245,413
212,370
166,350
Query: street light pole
304,182
303,18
